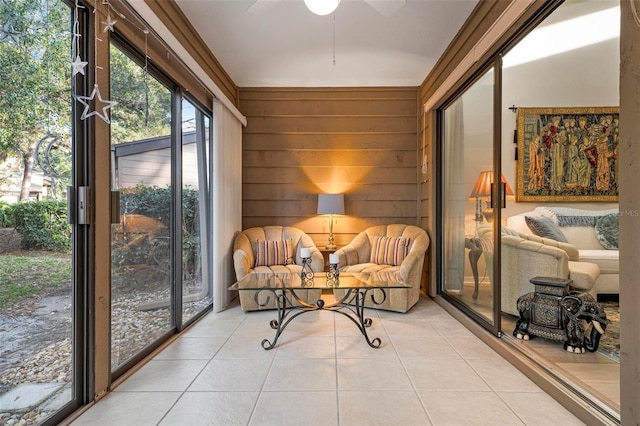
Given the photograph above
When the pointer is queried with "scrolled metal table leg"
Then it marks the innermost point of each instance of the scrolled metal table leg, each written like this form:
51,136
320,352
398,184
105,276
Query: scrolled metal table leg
364,321
277,324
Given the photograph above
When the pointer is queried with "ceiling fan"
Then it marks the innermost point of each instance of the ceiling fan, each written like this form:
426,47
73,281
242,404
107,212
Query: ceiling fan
384,7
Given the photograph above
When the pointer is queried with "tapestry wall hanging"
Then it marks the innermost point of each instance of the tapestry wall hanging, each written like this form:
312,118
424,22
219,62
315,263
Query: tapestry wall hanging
567,154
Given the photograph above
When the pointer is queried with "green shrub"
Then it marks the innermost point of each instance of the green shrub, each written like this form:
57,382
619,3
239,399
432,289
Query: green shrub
43,225
6,215
155,202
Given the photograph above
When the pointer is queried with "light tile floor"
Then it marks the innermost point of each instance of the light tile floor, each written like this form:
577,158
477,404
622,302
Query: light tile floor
429,370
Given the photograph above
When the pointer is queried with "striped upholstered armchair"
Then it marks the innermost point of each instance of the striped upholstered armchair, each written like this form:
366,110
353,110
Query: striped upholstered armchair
273,249
388,248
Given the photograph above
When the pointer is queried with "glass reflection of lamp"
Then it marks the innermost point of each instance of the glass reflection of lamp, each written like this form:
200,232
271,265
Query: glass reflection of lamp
482,190
331,204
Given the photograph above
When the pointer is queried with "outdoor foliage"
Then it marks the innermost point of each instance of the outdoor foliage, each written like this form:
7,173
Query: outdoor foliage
25,276
6,215
35,88
43,225
143,104
155,202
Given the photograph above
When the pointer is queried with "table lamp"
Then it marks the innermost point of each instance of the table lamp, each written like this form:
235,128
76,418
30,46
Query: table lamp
482,190
331,204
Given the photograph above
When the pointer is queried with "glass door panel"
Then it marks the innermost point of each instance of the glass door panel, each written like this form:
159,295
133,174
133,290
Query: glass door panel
196,294
141,267
467,213
37,247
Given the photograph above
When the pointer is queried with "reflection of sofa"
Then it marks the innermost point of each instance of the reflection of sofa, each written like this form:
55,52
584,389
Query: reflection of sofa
270,257
525,256
579,228
399,248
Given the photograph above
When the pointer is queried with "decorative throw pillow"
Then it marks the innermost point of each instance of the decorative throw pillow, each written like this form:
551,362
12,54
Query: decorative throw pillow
544,227
274,252
607,231
389,250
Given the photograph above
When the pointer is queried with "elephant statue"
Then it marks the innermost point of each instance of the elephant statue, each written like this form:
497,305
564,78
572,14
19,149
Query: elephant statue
574,318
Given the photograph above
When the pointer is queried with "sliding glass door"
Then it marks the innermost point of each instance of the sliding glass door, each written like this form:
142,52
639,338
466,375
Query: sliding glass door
141,263
196,133
466,195
43,253
160,246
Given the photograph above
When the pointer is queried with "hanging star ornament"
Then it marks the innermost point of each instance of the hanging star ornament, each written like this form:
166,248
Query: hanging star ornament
86,100
77,66
9,33
108,24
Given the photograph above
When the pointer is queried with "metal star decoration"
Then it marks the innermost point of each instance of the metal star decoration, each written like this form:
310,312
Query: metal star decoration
86,100
77,66
9,33
108,24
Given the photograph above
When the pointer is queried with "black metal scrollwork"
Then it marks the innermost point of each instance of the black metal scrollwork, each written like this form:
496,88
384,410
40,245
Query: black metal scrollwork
307,274
333,276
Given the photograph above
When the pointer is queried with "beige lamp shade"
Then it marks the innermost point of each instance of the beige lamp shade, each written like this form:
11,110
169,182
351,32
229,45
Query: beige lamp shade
330,203
482,190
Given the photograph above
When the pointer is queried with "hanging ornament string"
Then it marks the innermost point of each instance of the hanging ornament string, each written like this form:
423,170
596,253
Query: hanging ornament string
77,64
334,38
47,64
95,95
146,77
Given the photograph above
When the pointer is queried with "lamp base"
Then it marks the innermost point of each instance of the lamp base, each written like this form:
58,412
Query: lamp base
488,214
330,247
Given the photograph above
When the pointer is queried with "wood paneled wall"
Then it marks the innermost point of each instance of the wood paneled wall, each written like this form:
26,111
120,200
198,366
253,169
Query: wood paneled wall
301,142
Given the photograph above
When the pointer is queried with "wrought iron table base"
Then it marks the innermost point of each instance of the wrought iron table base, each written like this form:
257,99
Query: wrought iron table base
287,310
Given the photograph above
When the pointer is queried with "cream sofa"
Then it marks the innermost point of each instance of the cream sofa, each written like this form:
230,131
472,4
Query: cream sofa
525,256
244,261
583,238
356,257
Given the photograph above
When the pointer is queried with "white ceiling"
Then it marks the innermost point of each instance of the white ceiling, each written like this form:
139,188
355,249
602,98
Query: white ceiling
280,43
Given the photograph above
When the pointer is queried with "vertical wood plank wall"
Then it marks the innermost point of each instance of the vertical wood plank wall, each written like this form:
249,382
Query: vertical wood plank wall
300,142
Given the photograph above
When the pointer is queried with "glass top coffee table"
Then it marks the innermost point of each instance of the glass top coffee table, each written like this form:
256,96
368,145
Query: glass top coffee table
284,288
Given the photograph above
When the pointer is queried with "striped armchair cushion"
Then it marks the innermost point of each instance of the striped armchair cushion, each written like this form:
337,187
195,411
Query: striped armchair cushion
274,252
389,250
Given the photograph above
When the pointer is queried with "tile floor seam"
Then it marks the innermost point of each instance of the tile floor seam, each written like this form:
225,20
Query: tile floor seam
510,408
335,355
182,393
404,367
415,390
261,390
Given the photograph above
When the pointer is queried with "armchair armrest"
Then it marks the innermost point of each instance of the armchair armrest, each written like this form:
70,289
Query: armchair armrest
317,260
531,258
347,255
243,257
241,263
570,249
415,258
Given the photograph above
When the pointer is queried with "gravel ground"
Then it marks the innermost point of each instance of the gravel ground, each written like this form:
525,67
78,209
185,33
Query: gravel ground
36,342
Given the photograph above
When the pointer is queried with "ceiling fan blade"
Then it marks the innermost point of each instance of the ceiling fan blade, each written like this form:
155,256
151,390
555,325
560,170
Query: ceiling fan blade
386,7
260,7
